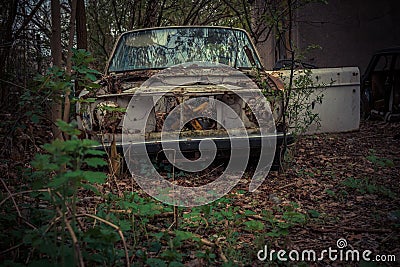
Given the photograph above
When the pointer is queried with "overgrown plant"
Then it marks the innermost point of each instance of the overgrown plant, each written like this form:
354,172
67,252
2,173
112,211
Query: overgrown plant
299,108
61,172
296,103
54,85
365,186
58,175
379,161
209,235
294,106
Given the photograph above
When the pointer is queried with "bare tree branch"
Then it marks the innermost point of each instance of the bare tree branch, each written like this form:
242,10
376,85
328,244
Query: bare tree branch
28,19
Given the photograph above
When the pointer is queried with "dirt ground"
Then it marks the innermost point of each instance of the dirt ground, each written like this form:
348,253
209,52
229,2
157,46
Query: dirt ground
349,184
345,184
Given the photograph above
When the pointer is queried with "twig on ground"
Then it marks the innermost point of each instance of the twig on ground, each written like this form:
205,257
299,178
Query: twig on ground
73,237
113,226
202,240
20,193
286,186
11,249
71,232
219,250
11,196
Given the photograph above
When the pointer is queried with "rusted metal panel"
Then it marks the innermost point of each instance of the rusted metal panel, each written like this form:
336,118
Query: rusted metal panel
339,109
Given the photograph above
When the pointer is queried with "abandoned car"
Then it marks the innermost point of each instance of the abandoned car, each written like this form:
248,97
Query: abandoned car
206,65
380,85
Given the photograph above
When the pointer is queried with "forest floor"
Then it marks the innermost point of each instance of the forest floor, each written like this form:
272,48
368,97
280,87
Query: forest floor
346,185
339,192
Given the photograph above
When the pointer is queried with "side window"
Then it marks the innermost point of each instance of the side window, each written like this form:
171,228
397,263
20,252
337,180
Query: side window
397,63
383,63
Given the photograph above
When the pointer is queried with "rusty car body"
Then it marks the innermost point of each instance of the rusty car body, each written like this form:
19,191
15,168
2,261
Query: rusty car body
141,54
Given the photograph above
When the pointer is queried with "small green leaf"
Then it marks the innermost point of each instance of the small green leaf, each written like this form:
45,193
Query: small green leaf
125,225
91,188
74,174
175,264
183,235
314,213
155,246
95,152
171,255
254,225
35,119
94,177
93,85
90,100
249,212
68,128
154,262
42,162
58,181
95,162
278,233
91,77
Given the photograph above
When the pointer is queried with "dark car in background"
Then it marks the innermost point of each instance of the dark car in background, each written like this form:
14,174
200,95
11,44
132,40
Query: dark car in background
380,86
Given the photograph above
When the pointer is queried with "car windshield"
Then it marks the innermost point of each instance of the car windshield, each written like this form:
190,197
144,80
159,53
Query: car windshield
162,48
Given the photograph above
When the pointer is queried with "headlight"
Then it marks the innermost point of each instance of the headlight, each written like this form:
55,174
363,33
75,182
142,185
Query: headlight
107,115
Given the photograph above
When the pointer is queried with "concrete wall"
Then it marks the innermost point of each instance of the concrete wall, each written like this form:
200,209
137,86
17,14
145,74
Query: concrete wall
348,31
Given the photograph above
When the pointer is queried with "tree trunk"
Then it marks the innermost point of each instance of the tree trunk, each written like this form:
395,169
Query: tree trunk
67,103
8,11
81,30
56,54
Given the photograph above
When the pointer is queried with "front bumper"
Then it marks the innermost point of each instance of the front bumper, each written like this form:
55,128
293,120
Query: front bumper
190,146
222,143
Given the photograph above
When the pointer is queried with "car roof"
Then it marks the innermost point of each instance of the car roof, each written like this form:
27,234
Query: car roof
374,58
183,27
389,50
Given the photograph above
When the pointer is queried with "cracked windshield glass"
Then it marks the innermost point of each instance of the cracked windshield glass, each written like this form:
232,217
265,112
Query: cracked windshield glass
162,48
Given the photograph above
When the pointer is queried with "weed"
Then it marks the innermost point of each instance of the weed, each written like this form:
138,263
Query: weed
378,161
364,186
331,193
